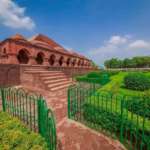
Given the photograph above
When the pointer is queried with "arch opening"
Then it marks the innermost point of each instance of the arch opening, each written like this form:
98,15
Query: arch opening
82,63
79,63
40,58
23,56
68,61
74,62
4,51
52,60
61,60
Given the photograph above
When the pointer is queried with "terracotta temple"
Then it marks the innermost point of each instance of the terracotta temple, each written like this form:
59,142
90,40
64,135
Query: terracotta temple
39,62
39,50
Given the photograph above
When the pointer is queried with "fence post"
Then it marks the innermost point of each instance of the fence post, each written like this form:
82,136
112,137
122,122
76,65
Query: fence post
121,129
69,115
39,114
3,99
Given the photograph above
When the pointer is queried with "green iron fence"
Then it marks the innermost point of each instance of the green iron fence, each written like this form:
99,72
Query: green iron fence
32,110
112,114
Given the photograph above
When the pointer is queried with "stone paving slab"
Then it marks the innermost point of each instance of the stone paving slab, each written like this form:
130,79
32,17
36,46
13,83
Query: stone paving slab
73,135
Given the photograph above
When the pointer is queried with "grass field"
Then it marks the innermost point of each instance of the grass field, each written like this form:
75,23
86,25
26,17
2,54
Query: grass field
121,112
116,86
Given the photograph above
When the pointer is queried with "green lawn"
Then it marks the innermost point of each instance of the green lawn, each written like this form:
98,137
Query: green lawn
116,85
107,109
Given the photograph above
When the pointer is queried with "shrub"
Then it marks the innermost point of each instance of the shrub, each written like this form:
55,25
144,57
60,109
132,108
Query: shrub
106,120
137,81
99,74
94,77
14,135
111,72
139,107
90,80
112,122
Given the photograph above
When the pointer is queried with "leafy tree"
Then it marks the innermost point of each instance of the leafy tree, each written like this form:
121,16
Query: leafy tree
113,63
135,62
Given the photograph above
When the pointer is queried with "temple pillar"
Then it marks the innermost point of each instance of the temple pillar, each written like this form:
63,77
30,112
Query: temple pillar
64,64
56,63
12,59
32,61
46,62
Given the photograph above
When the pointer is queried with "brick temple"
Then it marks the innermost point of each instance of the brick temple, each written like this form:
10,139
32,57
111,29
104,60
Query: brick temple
39,61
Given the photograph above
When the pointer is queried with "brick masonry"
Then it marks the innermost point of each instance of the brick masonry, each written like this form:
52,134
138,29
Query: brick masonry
40,50
9,75
72,135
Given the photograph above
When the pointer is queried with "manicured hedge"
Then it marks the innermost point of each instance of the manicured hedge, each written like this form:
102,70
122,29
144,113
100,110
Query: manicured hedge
106,120
137,81
139,107
95,77
110,72
101,73
99,118
15,136
90,80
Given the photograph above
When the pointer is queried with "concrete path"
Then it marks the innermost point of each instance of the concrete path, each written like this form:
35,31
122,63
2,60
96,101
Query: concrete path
72,135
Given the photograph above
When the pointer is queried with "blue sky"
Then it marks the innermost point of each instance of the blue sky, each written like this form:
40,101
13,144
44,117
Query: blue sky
99,29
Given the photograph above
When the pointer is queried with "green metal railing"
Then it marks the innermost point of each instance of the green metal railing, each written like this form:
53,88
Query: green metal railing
32,110
112,114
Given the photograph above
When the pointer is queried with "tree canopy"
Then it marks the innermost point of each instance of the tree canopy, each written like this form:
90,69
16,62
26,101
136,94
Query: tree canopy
135,62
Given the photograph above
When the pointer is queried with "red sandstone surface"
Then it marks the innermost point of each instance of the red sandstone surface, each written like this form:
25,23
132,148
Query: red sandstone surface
72,135
39,50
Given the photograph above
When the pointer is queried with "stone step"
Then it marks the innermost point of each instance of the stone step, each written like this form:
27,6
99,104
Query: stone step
60,87
55,81
59,84
34,70
42,72
55,77
51,74
31,69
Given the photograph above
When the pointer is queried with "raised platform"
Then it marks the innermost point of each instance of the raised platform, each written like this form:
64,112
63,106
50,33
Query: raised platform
40,76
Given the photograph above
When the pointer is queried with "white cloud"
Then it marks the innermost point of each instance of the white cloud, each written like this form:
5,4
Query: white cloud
117,40
121,47
13,16
139,44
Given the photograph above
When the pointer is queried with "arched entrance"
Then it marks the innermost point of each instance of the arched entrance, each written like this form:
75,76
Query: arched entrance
74,62
23,56
68,61
82,64
61,60
40,58
52,60
79,63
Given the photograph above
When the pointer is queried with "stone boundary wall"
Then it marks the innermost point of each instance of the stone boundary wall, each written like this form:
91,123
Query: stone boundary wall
9,75
71,71
127,69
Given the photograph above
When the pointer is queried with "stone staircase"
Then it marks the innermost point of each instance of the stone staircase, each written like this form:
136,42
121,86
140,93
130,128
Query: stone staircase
52,80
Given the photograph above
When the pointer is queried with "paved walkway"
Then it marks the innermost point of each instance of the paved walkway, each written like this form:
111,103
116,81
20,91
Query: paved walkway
72,135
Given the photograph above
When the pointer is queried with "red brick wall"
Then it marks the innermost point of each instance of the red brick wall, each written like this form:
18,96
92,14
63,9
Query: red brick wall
13,47
9,75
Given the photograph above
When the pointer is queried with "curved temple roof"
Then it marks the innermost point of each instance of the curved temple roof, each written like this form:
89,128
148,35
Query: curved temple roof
45,42
17,37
